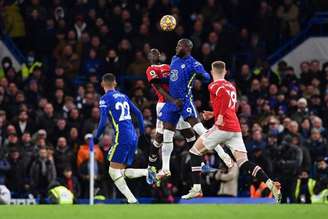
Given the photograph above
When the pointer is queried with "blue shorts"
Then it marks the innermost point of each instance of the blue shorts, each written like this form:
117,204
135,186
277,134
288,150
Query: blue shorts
171,113
123,151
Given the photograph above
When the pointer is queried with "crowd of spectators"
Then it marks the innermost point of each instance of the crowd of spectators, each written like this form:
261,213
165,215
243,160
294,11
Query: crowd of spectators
49,106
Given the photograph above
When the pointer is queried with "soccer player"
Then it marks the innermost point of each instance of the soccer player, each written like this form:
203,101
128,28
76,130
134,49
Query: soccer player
184,69
226,130
158,76
119,107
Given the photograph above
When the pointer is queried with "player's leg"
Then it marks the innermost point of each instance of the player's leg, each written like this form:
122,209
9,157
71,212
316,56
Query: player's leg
157,143
187,132
196,153
116,173
156,146
170,116
167,147
200,129
236,144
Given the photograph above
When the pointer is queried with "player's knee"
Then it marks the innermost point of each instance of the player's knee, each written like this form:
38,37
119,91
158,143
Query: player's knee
241,158
115,174
168,136
199,128
157,144
158,139
195,151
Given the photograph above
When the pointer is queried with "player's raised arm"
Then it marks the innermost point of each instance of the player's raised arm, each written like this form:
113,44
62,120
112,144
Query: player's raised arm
103,117
139,116
200,70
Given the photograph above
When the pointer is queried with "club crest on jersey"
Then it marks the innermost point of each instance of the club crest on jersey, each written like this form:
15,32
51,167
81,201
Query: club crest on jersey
183,66
174,75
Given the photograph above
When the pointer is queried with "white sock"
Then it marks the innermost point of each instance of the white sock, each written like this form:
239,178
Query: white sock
269,183
199,128
135,173
224,156
119,181
197,187
167,149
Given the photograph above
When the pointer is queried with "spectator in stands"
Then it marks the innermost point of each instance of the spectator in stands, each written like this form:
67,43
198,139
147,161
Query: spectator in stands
24,124
317,145
63,156
228,179
16,179
46,121
70,182
302,110
287,159
256,142
288,14
304,187
42,174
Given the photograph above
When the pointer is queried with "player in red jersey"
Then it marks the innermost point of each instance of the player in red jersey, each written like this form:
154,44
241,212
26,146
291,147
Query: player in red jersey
226,130
158,76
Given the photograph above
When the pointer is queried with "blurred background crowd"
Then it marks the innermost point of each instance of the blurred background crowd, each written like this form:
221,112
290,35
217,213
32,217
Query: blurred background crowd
48,106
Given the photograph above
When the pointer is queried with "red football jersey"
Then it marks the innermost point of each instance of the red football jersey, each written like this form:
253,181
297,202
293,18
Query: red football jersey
158,72
224,100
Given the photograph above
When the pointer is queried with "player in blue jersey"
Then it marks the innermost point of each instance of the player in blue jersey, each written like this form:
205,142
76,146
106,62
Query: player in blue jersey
184,68
119,107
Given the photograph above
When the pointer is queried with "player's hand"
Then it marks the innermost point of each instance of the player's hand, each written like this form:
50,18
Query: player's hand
219,121
178,103
207,115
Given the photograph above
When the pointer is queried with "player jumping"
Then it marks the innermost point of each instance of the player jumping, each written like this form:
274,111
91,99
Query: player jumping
118,106
158,76
184,69
226,130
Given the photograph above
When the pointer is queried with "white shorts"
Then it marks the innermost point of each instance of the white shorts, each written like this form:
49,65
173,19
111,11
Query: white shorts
215,136
159,124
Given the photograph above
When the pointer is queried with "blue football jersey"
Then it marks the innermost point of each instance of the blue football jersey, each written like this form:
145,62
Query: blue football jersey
118,107
183,71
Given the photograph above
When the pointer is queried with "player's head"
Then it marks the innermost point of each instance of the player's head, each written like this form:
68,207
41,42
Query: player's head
218,69
108,81
184,47
153,56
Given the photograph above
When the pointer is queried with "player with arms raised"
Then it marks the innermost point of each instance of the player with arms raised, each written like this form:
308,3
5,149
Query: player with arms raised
158,76
184,68
119,107
226,130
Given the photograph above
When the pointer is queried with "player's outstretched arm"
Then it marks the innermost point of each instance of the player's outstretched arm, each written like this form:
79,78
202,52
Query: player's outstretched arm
200,70
177,102
139,116
103,118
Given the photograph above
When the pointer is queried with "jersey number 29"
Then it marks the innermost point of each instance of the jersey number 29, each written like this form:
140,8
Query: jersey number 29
125,110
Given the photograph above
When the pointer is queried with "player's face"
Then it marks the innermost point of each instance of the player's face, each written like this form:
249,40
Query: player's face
153,57
181,49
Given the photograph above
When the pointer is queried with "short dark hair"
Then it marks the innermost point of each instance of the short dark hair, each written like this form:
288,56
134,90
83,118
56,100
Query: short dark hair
109,78
219,66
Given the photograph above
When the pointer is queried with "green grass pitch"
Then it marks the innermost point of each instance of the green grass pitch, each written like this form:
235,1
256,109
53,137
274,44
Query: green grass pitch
165,212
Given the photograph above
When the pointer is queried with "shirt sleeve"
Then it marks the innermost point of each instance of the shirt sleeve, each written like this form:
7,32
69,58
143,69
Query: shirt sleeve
139,116
103,117
199,69
151,74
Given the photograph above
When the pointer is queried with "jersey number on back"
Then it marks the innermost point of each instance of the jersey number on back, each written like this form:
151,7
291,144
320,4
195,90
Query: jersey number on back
233,99
125,110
